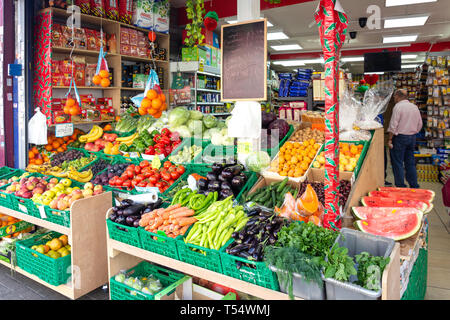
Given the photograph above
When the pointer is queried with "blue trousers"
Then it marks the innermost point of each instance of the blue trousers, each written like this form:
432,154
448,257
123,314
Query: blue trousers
402,158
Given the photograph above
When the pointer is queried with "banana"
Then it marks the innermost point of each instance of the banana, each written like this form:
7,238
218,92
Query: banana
84,176
63,174
127,139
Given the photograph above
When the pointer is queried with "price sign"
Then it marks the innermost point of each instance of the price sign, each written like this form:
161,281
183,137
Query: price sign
42,212
22,208
63,130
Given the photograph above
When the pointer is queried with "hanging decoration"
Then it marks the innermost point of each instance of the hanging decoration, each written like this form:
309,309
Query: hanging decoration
371,79
151,36
210,21
332,23
194,10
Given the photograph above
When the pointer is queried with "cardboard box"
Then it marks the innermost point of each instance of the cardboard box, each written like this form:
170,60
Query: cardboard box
317,89
60,117
139,80
194,54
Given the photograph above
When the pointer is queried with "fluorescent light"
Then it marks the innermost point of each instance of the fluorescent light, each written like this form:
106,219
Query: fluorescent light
394,39
409,66
352,59
373,72
314,61
292,63
269,24
409,56
287,47
393,3
405,22
276,36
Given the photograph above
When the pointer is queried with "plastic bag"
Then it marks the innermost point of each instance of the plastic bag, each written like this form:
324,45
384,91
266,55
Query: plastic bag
153,100
37,128
374,103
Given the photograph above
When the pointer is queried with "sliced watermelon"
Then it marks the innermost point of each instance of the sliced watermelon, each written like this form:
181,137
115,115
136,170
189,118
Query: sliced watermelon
402,195
429,194
395,223
379,202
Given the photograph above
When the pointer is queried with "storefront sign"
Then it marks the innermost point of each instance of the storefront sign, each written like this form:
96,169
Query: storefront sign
244,61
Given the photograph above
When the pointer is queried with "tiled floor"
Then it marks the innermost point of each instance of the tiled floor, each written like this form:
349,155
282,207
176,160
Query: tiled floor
19,287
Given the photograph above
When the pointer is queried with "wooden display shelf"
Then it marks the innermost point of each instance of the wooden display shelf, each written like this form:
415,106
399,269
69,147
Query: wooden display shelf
141,59
85,122
85,52
87,239
87,88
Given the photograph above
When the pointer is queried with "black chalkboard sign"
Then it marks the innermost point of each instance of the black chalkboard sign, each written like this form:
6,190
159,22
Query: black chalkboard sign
244,61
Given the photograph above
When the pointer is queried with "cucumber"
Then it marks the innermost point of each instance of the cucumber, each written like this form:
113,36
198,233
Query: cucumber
282,184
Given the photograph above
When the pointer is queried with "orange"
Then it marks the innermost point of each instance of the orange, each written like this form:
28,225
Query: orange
74,111
158,114
38,161
142,111
152,111
146,103
96,80
56,145
105,82
31,161
66,109
30,155
35,150
70,102
156,103
164,107
152,94
104,74
49,147
64,147
60,149
162,96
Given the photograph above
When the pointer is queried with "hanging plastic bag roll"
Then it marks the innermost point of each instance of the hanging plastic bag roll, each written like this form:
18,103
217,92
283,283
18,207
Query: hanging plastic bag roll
37,128
246,120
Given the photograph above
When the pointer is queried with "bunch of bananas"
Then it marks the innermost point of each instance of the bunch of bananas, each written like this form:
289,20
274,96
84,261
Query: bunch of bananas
93,135
39,168
128,140
56,172
84,176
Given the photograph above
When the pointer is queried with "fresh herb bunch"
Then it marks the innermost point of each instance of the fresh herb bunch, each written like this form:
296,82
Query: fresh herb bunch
289,260
340,265
370,269
307,237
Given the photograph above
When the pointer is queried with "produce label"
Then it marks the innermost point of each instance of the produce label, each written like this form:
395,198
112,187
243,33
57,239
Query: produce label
63,130
42,212
16,227
332,23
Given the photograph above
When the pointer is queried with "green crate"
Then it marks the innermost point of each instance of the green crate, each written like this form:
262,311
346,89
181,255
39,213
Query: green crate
122,134
206,258
13,228
190,142
126,234
214,150
6,199
53,271
258,274
274,151
60,217
169,279
195,168
162,245
362,156
5,171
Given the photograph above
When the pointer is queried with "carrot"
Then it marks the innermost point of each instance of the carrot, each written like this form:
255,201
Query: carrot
197,176
179,211
182,222
158,222
183,230
166,222
182,214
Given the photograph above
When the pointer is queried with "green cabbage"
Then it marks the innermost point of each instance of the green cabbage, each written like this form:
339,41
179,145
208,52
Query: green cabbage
196,115
196,127
210,121
183,131
178,116
221,124
257,161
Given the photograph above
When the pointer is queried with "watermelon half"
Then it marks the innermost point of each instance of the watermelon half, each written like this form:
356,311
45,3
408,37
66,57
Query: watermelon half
378,202
424,194
395,223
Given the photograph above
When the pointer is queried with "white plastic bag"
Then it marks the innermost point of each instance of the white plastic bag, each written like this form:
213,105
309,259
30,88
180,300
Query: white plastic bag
37,128
246,120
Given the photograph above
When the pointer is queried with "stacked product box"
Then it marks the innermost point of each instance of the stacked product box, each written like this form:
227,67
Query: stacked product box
427,173
295,85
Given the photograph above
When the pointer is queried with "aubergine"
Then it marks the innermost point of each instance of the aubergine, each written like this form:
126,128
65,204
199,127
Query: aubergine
211,177
225,193
213,186
235,170
113,217
217,168
227,175
133,210
136,223
202,184
237,182
120,219
222,179
225,185
127,202
130,220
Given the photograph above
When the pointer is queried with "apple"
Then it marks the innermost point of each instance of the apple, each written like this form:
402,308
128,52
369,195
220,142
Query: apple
54,204
77,196
30,185
38,190
54,181
62,204
34,180
98,189
60,187
27,195
77,192
88,193
66,182
68,190
88,185
60,196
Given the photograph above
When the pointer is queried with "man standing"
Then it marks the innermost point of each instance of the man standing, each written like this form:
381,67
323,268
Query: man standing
406,122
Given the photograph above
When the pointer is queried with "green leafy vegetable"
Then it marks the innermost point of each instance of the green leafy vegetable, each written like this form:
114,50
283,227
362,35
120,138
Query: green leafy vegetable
340,265
370,269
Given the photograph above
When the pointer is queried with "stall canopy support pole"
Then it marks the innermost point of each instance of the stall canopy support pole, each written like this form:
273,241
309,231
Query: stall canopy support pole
332,23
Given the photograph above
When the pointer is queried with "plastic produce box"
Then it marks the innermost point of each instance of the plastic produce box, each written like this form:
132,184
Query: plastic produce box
4,171
122,233
159,243
255,272
274,151
262,182
301,288
6,199
362,156
169,279
187,143
53,271
24,205
357,242
200,256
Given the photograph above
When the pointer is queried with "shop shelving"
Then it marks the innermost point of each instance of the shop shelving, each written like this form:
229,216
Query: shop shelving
86,236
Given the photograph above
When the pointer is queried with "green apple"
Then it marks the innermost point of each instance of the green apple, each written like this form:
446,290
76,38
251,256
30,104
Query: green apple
60,187
66,182
68,190
49,194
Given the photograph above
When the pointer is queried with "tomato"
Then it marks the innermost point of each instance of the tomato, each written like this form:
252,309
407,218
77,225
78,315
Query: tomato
150,185
112,181
180,170
153,179
142,184
127,183
159,184
167,164
130,174
139,178
166,176
137,169
119,182
144,164
165,188
171,182
157,175
134,183
131,167
174,175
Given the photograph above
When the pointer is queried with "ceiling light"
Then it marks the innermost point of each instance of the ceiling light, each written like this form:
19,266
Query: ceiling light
393,3
352,59
409,66
276,36
314,61
373,72
394,39
405,22
409,56
292,63
269,24
287,47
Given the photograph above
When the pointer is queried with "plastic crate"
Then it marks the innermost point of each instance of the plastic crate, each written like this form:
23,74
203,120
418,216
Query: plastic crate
187,143
417,285
258,274
170,280
5,171
199,169
162,245
53,271
122,233
357,242
203,257
60,217
360,161
274,151
6,199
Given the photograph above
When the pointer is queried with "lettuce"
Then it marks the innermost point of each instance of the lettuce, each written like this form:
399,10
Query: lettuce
183,131
210,121
257,161
178,116
196,115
